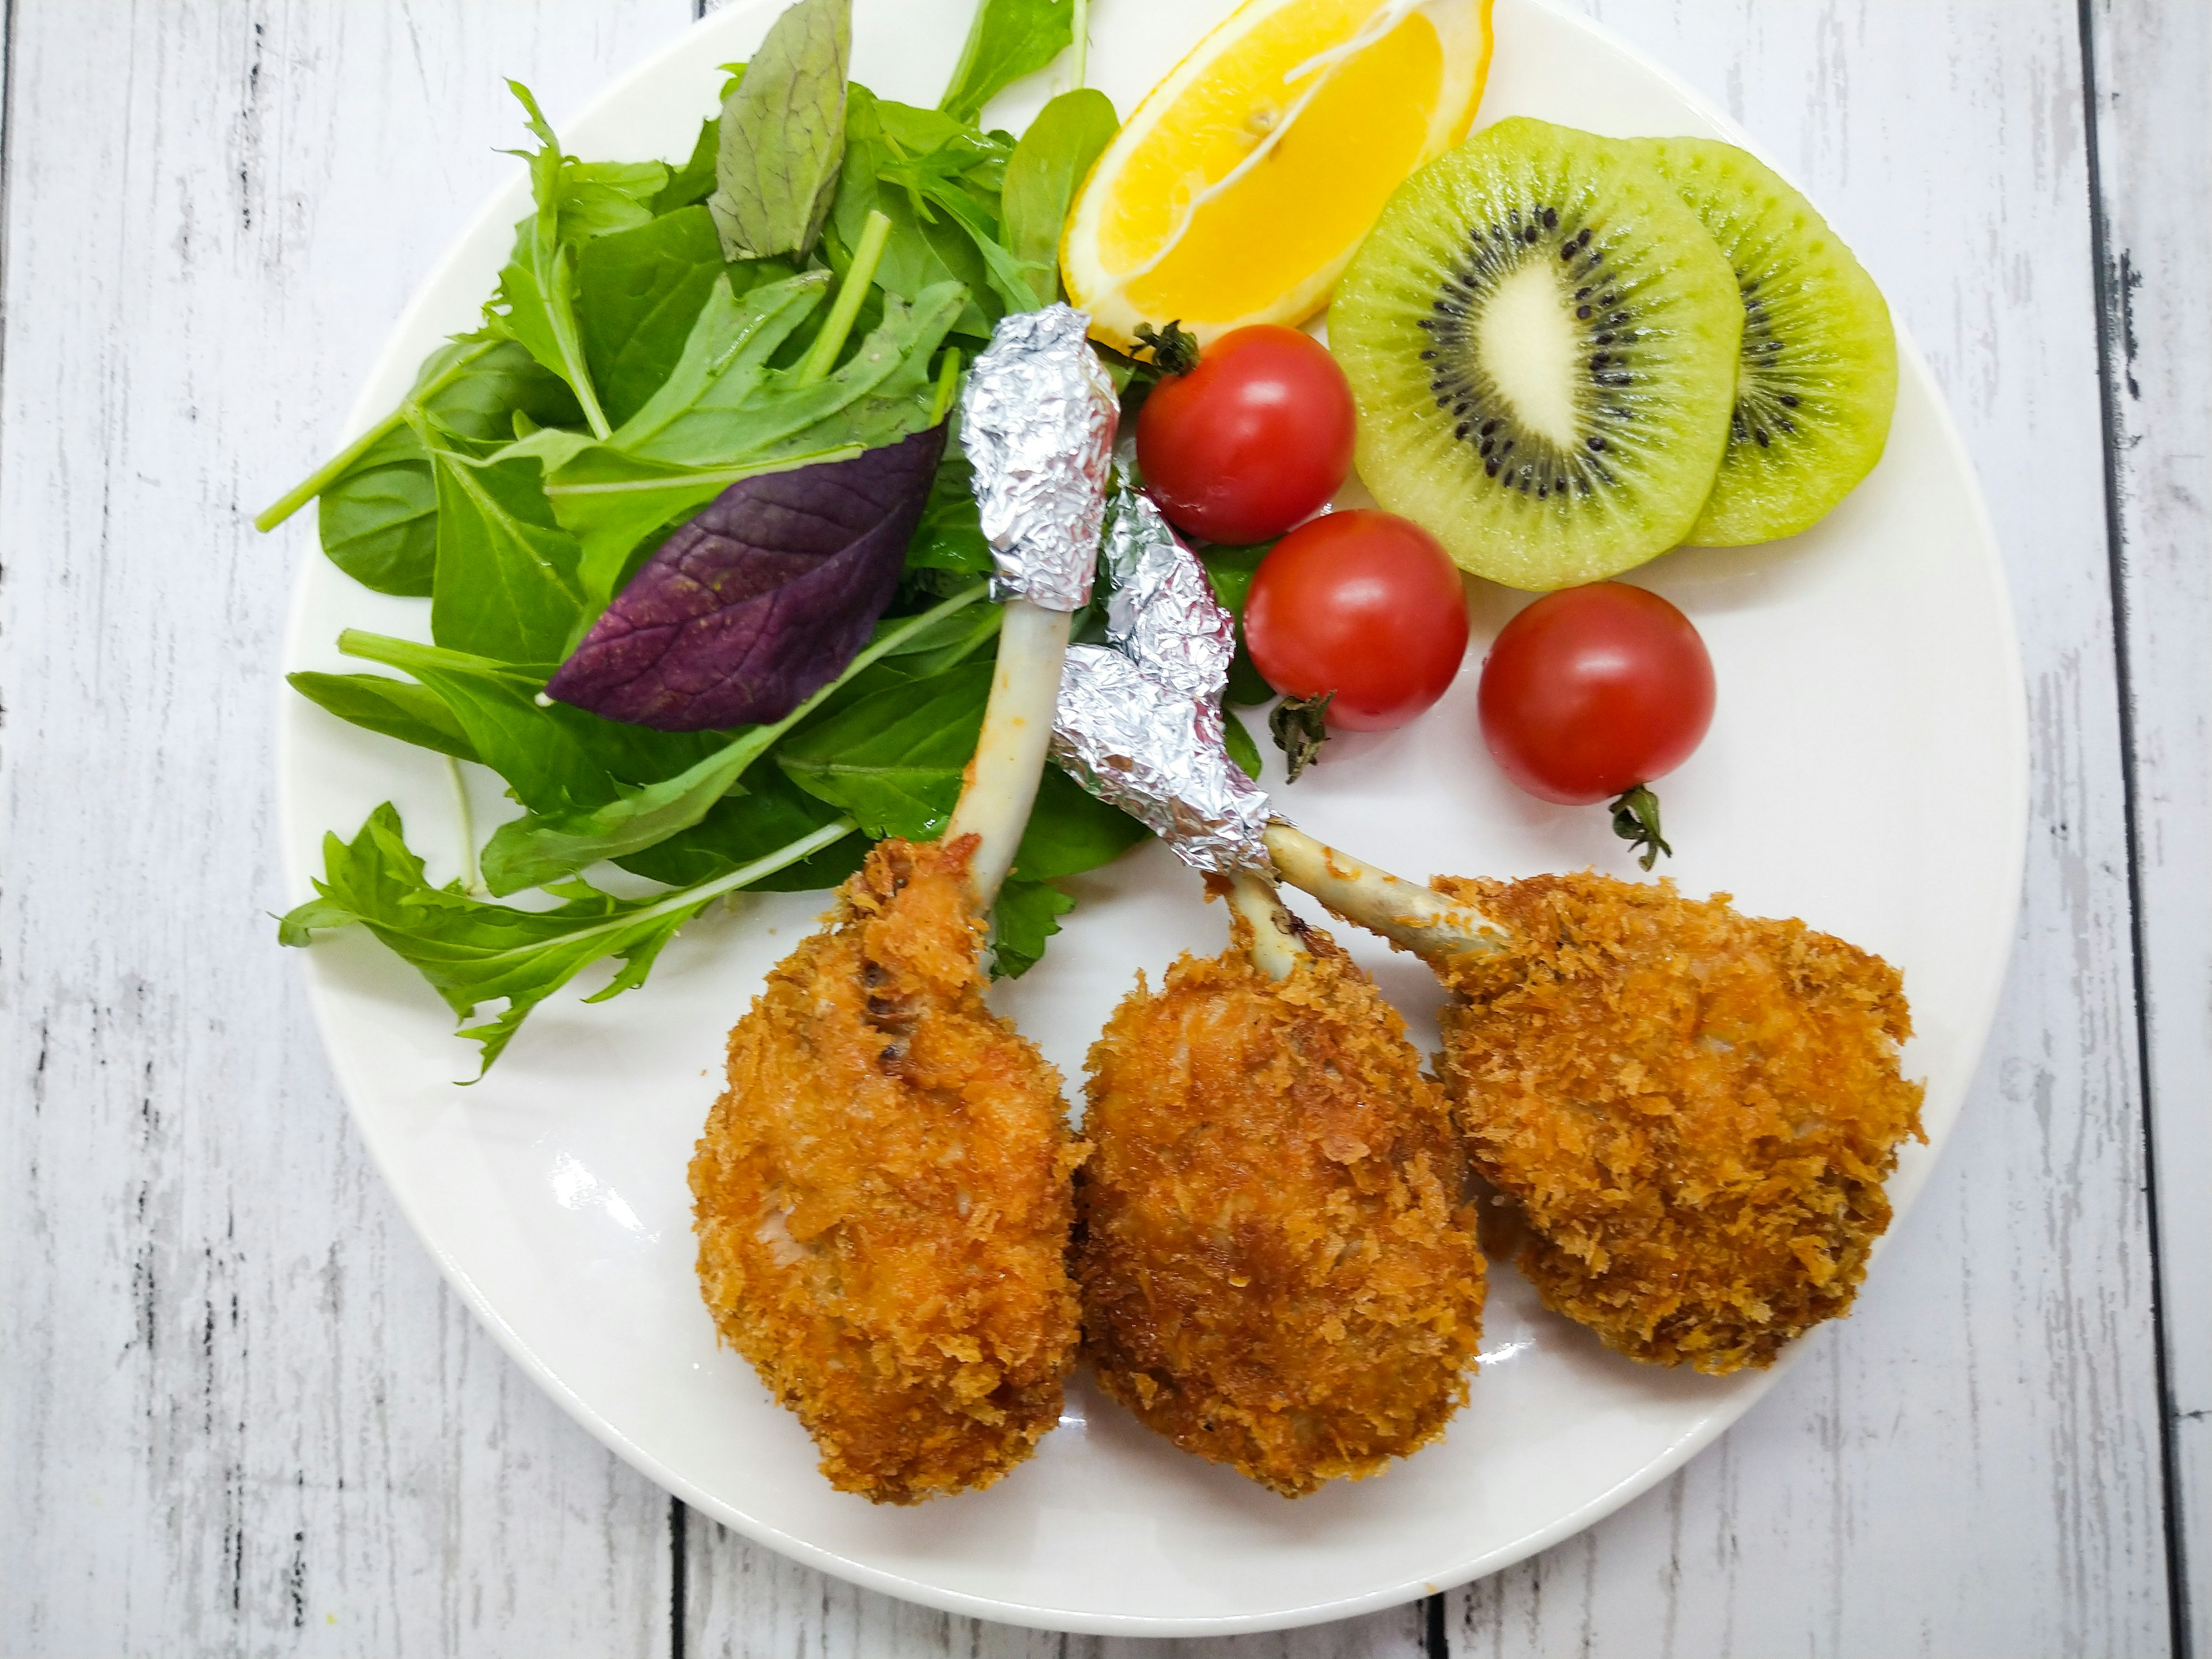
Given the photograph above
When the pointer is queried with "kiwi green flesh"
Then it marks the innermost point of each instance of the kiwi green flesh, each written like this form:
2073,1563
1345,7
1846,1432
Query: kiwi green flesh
1817,381
1541,341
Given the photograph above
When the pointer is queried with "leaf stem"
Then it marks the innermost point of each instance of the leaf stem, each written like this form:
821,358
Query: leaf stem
948,383
471,876
1082,29
858,276
744,875
331,470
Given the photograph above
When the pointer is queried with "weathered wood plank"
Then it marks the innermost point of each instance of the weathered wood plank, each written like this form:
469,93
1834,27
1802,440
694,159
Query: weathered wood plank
2151,66
1970,1463
242,1412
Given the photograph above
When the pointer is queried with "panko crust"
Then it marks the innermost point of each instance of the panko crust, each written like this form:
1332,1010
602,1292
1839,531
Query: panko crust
1278,1267
1695,1110
883,1199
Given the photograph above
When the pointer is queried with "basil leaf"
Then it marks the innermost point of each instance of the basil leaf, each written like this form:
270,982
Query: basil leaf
1043,175
770,811
377,518
951,534
893,760
495,704
761,599
397,708
1027,915
1238,742
1070,830
724,415
691,183
639,292
505,585
1230,571
474,953
1009,39
527,852
783,134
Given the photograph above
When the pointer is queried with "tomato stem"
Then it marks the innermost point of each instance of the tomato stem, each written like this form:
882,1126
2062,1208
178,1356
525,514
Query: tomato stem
1174,348
1636,821
1300,726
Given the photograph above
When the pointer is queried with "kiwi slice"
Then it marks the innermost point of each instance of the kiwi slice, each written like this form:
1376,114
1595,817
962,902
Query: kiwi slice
1817,379
1542,340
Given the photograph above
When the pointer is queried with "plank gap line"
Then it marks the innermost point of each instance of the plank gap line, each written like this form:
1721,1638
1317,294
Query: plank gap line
2110,348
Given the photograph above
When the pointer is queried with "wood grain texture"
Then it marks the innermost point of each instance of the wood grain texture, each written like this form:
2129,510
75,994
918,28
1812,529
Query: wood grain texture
1970,1464
2153,67
242,1412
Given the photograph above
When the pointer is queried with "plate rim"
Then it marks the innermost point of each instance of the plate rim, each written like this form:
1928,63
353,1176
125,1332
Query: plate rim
1904,1186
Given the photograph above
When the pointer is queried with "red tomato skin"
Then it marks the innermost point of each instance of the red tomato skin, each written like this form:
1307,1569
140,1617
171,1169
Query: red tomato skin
1255,438
1592,691
1364,604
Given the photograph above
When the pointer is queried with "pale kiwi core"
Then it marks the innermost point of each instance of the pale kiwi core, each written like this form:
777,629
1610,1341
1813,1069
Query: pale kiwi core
1526,341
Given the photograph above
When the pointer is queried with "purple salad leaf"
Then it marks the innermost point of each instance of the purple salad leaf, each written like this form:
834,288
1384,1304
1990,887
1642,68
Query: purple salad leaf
759,601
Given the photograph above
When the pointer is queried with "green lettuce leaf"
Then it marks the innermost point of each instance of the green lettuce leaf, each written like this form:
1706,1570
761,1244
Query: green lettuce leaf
396,709
783,134
1043,175
1009,39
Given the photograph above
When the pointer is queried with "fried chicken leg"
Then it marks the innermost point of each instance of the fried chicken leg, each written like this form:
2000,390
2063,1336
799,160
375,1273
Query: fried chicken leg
883,1194
1693,1110
883,1201
1278,1268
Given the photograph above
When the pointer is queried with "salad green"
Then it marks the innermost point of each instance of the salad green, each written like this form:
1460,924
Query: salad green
803,287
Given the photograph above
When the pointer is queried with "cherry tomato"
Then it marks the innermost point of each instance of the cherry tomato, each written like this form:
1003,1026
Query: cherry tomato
1255,438
1364,604
1593,691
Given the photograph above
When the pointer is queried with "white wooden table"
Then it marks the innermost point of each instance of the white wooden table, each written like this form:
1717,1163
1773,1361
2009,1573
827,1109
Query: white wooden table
240,1412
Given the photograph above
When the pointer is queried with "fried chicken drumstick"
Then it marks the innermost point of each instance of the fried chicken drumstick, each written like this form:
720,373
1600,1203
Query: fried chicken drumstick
1278,1269
881,1191
1695,1110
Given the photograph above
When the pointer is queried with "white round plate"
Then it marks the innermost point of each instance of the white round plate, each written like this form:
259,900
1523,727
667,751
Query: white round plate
1867,667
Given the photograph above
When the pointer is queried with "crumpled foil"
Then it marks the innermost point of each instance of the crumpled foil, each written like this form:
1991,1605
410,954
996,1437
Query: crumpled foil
1139,723
1037,415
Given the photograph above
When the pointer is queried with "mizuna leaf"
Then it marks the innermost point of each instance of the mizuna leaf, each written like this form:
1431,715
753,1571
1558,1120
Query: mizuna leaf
783,134
761,599
474,953
495,706
1027,913
537,286
638,294
527,852
725,415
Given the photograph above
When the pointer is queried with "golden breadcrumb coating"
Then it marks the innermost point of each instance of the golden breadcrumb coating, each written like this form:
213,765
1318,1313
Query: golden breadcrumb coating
1694,1109
1278,1269
883,1197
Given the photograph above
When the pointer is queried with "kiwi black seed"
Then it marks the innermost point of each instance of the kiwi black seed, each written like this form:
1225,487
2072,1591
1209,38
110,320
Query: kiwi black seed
1542,340
1817,379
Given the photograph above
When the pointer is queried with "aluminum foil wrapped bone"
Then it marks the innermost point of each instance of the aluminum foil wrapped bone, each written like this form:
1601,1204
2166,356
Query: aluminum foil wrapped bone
1139,723
1037,415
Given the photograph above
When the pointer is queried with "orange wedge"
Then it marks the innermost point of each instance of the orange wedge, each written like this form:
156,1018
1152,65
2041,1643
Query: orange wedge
1246,179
